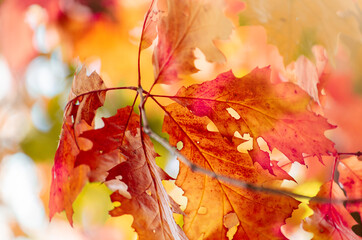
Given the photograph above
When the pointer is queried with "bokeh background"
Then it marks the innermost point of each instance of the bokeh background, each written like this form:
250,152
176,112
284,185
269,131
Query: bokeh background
44,42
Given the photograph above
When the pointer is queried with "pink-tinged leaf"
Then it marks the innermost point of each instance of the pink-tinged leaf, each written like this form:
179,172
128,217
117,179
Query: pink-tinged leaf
210,202
350,176
157,9
330,221
188,25
306,74
275,112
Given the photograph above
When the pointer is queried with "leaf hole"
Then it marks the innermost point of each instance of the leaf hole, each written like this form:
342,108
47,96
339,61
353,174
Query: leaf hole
180,145
211,127
116,204
245,146
231,222
148,191
233,113
202,211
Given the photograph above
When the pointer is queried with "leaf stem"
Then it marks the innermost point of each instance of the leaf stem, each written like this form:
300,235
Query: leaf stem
140,44
98,91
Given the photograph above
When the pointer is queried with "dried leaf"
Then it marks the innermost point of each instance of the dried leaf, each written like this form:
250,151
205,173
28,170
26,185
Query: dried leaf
188,25
277,113
67,180
209,200
126,162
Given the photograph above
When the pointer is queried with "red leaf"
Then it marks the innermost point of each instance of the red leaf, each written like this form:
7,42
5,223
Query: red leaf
276,112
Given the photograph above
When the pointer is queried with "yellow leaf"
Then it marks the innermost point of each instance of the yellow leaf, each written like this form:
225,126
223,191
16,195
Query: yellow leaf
295,26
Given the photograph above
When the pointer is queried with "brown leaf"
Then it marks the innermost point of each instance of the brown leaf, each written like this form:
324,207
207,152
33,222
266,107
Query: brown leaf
251,104
126,162
67,180
211,201
188,25
85,108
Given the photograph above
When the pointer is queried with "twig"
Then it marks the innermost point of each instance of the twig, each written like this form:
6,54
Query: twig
351,153
223,178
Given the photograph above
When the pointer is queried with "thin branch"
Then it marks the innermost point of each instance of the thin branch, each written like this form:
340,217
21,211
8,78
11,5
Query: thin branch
223,178
359,153
98,91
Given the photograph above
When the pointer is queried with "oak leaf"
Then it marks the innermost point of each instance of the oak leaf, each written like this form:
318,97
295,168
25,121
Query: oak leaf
330,221
295,26
210,201
188,25
275,112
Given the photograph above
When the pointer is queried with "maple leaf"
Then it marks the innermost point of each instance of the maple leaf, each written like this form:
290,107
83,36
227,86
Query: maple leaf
68,181
330,221
350,176
295,26
277,113
212,203
125,161
188,25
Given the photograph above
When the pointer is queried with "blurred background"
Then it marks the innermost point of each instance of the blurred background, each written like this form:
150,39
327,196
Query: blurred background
44,42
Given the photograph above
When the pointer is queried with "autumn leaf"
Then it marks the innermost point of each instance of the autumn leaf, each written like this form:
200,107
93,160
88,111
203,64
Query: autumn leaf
188,25
350,176
275,112
147,199
67,180
306,74
157,9
295,26
212,203
330,221
125,161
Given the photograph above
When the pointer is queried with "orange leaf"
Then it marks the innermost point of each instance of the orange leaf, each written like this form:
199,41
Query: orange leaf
251,104
188,25
210,202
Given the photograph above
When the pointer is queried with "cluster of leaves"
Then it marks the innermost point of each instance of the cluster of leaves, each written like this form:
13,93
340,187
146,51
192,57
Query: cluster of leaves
218,179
